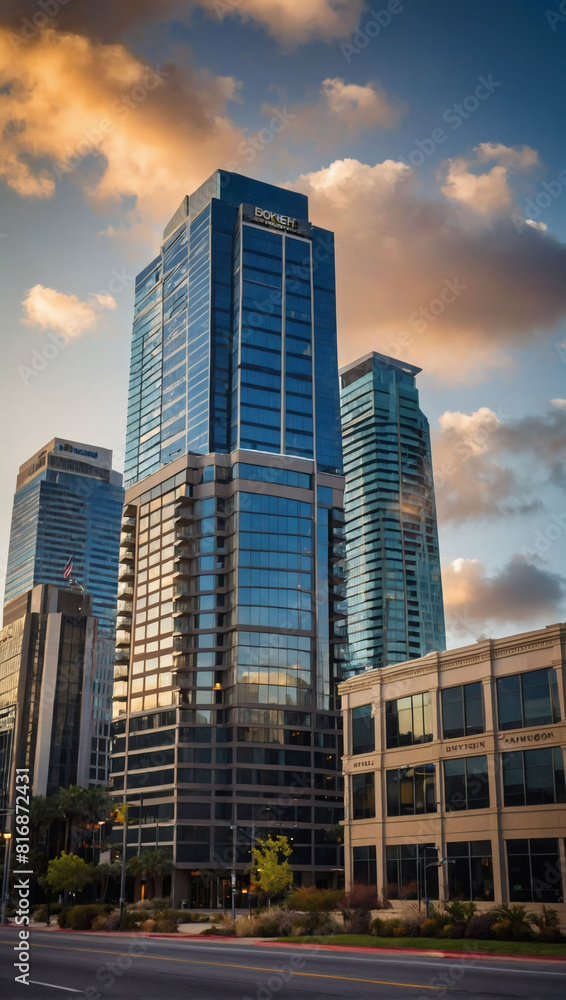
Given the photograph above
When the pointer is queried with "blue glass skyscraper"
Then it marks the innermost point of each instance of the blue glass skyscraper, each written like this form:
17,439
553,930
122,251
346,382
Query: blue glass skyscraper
231,619
68,506
234,340
394,588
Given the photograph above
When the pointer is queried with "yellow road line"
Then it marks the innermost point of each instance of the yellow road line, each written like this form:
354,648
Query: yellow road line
246,968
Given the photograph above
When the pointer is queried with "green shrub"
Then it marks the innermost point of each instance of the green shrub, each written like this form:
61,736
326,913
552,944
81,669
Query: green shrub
40,914
315,900
388,926
80,917
99,923
429,928
376,927
459,912
174,915
227,928
480,927
512,923
62,916
130,921
458,929
163,903
164,926
506,930
439,917
547,922
142,904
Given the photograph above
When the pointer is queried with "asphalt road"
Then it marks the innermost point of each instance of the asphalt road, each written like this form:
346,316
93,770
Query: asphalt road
100,967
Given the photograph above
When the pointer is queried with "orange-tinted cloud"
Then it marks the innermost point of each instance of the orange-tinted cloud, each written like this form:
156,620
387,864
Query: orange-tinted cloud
47,309
477,475
430,280
360,107
488,192
518,594
75,109
290,22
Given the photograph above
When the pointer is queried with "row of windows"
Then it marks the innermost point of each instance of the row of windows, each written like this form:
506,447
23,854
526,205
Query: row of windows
533,870
530,778
528,699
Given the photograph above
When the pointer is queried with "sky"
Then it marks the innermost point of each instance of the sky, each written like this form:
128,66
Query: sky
427,134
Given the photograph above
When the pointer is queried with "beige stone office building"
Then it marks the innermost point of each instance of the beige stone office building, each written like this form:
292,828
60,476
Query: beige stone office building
458,757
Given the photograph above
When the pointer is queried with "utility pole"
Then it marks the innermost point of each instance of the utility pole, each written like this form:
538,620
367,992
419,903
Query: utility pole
6,876
233,875
123,873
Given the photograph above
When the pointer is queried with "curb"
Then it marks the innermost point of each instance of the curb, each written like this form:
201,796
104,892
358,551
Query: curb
368,949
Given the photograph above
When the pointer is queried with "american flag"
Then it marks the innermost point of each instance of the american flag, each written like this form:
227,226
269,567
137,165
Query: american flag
68,568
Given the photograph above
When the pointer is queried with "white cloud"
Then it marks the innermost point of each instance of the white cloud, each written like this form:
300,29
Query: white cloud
489,192
360,107
47,309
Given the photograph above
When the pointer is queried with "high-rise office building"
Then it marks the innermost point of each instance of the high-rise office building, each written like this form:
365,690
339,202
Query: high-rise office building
230,616
394,588
66,516
47,665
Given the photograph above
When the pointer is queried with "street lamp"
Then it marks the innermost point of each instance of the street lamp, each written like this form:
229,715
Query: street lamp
6,876
434,864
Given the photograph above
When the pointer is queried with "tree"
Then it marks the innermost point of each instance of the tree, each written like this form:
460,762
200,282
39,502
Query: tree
98,804
68,873
271,872
102,874
153,865
43,813
73,809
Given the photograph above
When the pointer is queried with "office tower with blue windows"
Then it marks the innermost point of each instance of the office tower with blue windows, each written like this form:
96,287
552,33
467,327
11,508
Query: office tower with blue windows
231,617
68,508
394,588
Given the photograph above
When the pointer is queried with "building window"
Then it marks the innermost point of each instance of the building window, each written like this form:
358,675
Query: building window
534,871
363,796
529,699
364,865
406,871
409,720
462,711
363,730
471,875
466,784
411,790
533,777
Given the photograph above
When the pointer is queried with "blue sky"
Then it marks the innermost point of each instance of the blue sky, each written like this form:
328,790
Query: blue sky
89,183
